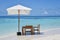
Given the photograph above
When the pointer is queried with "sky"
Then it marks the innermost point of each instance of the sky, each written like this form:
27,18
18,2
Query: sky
39,7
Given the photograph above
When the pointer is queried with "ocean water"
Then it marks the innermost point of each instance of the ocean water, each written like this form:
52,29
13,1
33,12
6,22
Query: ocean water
9,25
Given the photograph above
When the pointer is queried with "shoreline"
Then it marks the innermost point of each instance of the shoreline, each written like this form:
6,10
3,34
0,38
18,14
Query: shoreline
14,34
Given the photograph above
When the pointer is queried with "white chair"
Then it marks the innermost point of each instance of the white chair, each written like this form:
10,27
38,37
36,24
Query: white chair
37,29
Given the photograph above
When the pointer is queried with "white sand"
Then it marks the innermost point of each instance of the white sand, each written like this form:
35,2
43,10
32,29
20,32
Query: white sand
52,34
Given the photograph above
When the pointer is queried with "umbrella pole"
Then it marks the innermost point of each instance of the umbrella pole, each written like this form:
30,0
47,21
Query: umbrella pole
18,20
18,33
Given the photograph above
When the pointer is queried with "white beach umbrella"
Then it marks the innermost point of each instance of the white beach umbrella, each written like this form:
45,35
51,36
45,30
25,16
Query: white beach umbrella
19,9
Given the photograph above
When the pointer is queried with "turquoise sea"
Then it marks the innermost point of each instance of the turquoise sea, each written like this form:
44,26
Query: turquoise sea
9,24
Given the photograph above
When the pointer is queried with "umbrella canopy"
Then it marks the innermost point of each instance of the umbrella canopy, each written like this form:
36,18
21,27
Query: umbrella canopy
14,10
18,9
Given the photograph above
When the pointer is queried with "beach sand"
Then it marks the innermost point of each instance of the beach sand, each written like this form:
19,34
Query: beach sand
52,34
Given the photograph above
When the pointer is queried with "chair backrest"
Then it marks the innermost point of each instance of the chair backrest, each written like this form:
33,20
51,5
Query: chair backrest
28,27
